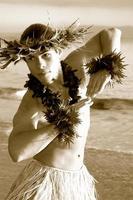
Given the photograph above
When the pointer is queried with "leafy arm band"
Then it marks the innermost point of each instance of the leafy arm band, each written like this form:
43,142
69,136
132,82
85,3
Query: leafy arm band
64,120
113,62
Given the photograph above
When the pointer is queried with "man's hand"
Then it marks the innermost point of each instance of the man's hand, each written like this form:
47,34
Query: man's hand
81,103
97,83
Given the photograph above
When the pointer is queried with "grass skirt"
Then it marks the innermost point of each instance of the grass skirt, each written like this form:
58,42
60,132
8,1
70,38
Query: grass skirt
40,182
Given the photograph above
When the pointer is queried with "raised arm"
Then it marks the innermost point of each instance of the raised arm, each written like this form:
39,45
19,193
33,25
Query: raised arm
110,42
104,42
83,54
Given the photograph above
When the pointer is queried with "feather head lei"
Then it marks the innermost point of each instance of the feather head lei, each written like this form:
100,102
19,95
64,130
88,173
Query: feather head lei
14,51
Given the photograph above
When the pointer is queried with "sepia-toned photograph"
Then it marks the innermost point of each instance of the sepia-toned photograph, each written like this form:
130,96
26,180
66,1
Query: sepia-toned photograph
66,100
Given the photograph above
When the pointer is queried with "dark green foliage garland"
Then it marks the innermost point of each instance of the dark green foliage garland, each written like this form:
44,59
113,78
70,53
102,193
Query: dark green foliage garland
71,81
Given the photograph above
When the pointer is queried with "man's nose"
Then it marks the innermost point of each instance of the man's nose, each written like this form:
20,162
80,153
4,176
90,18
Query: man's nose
42,66
41,62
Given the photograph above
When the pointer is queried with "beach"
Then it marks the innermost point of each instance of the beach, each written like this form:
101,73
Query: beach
112,171
108,153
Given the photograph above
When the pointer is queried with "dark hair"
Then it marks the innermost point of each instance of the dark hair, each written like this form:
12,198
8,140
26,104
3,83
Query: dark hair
36,33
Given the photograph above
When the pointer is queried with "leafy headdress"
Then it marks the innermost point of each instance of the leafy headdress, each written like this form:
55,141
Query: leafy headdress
14,51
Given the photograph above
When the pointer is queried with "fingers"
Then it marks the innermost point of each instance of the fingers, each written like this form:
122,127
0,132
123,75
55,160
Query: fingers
96,88
87,101
103,83
83,102
91,86
80,103
98,82
90,103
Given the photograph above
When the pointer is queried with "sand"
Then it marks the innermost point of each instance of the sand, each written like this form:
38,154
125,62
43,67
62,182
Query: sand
108,153
112,170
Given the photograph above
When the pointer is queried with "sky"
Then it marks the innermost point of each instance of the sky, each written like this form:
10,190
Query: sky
97,3
15,15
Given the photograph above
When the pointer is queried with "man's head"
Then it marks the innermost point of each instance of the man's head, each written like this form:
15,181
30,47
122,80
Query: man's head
44,63
35,34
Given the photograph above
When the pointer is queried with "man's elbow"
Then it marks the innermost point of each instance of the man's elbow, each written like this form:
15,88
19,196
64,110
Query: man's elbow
13,154
14,158
110,32
110,40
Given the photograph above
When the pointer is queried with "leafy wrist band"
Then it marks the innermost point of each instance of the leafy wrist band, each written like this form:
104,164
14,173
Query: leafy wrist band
113,63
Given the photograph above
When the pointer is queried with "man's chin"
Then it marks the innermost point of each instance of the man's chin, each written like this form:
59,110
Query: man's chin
45,80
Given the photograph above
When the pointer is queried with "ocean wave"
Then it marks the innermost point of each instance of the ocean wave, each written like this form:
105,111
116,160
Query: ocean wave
113,104
11,93
99,103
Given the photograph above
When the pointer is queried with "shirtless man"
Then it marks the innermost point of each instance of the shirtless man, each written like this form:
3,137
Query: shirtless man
26,139
32,136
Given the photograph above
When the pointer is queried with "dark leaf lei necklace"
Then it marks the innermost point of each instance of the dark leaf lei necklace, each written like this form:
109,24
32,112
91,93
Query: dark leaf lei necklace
64,117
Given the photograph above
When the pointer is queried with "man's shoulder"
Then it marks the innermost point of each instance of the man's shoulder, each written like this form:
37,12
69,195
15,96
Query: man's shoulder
26,111
28,102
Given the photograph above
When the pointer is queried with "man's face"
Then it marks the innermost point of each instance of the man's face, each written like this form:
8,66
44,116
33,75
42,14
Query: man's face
44,66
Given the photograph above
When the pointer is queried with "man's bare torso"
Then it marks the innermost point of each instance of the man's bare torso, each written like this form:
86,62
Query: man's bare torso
71,156
59,154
